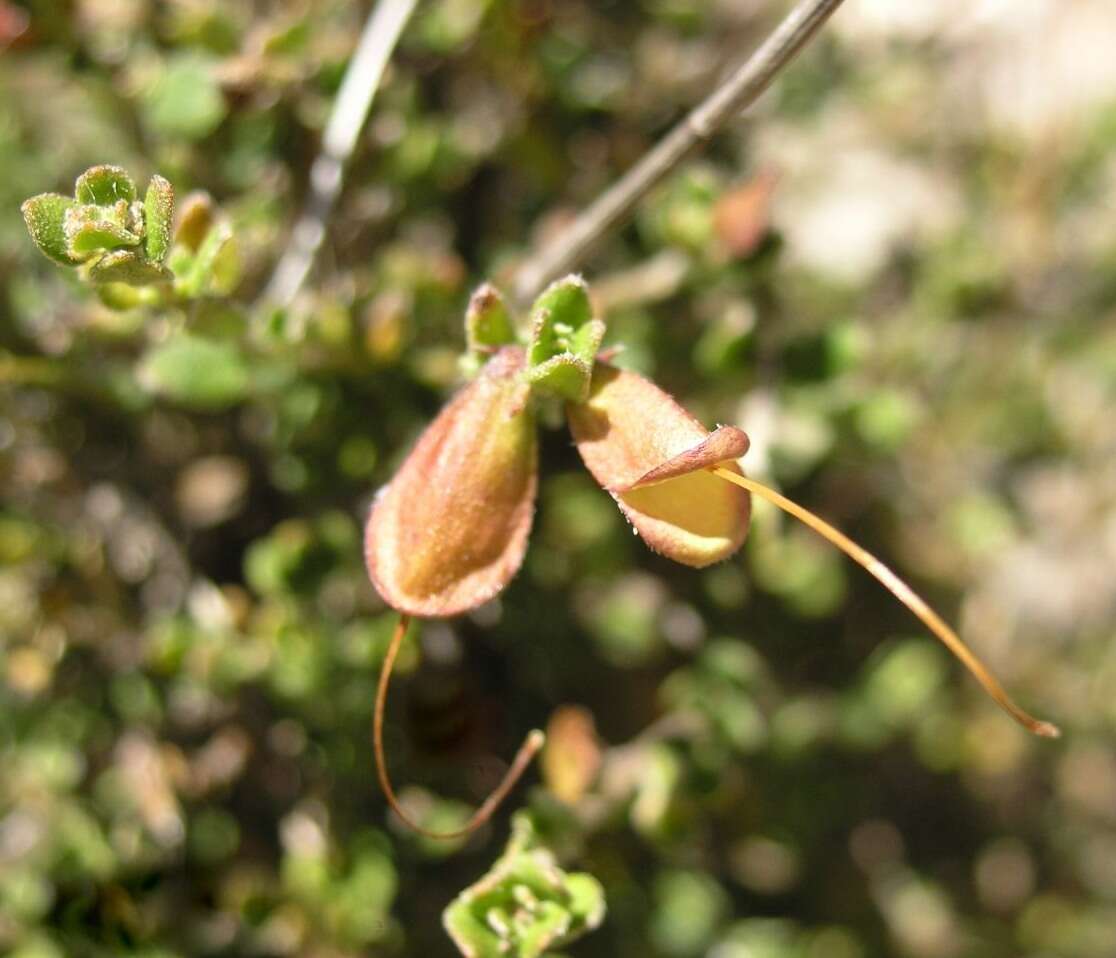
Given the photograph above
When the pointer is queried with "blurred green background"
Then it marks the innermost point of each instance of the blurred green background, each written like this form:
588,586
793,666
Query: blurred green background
916,324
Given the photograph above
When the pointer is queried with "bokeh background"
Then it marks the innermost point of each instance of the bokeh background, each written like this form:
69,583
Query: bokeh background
898,274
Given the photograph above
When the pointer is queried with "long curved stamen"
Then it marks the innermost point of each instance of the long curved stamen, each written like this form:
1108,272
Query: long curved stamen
904,593
531,745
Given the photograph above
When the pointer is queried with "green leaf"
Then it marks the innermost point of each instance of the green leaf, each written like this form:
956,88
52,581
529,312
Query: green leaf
45,217
488,324
185,102
104,186
158,212
197,372
89,232
564,340
213,269
127,266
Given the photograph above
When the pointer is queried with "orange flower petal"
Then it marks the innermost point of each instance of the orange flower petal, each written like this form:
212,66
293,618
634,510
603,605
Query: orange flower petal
654,457
450,530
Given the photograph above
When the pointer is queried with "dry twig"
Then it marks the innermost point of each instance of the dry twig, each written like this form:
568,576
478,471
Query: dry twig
737,92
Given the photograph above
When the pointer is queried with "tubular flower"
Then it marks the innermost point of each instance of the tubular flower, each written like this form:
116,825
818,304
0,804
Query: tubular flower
654,458
450,530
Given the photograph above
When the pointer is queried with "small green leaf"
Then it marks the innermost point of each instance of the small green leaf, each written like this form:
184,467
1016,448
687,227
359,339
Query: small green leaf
197,372
104,186
45,217
185,102
127,266
213,269
564,340
158,211
88,233
488,324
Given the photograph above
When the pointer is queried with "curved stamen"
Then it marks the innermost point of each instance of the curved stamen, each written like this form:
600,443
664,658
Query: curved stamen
904,593
531,745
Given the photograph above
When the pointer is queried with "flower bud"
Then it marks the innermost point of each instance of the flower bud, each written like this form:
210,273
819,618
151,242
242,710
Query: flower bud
450,530
654,457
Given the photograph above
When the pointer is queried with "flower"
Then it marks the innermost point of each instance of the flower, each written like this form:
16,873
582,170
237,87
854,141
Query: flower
654,458
450,530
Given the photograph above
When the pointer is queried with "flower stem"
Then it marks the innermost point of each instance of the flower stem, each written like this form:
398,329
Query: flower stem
531,745
904,593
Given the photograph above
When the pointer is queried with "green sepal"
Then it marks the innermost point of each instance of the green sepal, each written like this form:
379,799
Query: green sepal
565,338
104,186
564,375
158,212
127,266
45,216
488,323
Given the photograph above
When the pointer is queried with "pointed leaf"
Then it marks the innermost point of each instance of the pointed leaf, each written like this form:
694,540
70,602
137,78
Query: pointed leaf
45,217
104,185
654,457
158,211
450,530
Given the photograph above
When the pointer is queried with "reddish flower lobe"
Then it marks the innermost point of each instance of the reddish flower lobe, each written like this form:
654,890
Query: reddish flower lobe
654,457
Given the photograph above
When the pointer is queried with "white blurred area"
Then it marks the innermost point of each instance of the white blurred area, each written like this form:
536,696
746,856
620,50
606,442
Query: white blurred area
1032,73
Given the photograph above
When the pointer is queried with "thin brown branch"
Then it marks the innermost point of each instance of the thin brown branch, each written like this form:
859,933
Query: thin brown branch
566,250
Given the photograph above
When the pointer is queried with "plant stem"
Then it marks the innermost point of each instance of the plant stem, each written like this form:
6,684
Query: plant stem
904,593
527,751
735,94
365,70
